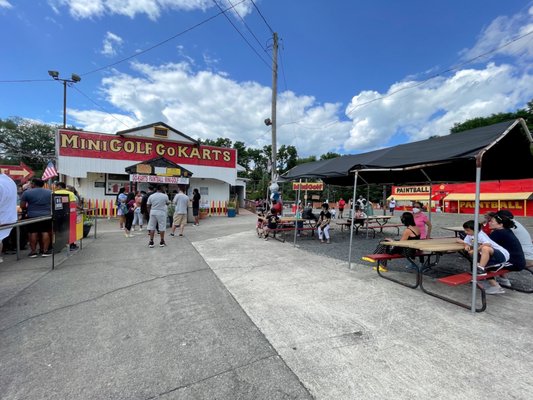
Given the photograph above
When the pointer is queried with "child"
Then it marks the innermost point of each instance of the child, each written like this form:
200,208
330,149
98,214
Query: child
491,253
272,221
323,224
259,227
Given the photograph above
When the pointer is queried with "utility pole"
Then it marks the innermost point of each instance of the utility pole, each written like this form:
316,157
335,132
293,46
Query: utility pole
274,100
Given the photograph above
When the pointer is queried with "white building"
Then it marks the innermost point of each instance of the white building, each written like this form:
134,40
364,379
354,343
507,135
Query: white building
95,163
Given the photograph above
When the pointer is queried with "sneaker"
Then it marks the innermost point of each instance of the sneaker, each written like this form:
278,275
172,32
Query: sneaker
381,269
327,241
47,253
495,290
151,244
74,246
172,234
481,271
162,244
503,281
33,254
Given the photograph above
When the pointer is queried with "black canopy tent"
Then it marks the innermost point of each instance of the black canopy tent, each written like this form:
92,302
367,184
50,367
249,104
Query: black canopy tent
495,152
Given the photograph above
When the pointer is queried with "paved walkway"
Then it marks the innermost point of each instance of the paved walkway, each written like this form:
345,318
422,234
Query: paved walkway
220,314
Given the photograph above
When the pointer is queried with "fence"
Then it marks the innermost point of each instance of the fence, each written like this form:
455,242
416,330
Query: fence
107,208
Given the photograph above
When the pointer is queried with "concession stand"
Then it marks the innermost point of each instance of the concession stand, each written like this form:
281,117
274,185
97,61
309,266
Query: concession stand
98,165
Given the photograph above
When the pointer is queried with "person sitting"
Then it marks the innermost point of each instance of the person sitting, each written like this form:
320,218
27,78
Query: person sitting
323,223
523,237
272,221
359,215
492,254
411,232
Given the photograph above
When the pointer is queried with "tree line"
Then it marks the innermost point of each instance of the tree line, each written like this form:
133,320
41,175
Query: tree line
33,143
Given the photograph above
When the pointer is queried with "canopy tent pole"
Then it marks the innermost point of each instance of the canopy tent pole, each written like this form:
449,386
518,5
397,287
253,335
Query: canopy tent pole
430,193
296,212
384,199
353,219
476,231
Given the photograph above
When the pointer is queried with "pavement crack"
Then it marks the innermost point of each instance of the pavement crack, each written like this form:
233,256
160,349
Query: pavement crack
211,377
92,298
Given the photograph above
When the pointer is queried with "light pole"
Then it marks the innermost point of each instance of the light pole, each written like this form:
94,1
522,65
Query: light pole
73,79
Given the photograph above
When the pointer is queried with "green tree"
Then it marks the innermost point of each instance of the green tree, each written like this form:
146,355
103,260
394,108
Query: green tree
329,155
27,141
526,114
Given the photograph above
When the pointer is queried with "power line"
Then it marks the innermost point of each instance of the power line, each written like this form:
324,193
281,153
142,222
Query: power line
24,80
242,36
252,33
102,108
163,42
259,11
453,68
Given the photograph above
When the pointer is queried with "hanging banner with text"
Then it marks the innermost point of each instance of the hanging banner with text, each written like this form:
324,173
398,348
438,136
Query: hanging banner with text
308,186
159,179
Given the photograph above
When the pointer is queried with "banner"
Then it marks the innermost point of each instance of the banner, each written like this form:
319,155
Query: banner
308,186
159,179
113,147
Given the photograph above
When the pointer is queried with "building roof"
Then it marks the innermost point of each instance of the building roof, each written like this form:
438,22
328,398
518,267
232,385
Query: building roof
154,125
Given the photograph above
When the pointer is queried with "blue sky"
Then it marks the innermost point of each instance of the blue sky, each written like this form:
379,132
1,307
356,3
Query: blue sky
354,75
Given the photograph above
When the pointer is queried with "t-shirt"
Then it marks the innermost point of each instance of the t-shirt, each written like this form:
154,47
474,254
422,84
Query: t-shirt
524,238
71,196
158,202
8,203
342,203
182,202
483,238
39,202
420,222
507,239
196,200
392,204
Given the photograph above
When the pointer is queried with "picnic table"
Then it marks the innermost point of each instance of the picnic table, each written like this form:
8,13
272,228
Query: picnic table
457,230
436,248
370,223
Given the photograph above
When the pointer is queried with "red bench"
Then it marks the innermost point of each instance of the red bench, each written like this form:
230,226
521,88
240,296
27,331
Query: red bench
382,258
466,277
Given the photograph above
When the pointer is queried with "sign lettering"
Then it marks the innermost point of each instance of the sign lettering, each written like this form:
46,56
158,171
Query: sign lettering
308,186
95,145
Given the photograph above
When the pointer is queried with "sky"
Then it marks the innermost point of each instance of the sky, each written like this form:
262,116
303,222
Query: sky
353,75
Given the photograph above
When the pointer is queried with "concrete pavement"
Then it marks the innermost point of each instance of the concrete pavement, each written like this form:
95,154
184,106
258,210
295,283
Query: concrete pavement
220,314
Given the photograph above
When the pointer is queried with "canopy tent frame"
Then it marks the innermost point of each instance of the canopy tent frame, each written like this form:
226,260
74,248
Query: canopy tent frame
385,166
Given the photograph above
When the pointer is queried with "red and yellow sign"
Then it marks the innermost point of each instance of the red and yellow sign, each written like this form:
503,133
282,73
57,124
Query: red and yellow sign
308,186
403,190
20,172
95,145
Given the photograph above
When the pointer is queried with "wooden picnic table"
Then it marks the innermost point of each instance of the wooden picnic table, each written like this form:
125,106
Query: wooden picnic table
358,223
457,230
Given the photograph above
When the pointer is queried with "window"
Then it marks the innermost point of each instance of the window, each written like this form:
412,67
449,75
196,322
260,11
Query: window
160,132
204,191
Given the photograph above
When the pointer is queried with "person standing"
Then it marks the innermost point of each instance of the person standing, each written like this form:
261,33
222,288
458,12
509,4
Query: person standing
121,207
421,221
392,205
196,206
157,206
137,214
8,206
341,205
181,202
323,223
38,203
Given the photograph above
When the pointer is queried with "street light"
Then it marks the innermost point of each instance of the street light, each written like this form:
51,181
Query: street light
74,78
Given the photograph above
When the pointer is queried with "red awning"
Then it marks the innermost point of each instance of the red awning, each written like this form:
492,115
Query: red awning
438,196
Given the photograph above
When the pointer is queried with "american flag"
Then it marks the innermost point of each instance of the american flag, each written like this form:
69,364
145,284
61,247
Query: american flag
49,172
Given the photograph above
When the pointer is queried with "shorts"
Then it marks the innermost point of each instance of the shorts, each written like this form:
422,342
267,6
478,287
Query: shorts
158,219
195,211
38,227
179,219
497,257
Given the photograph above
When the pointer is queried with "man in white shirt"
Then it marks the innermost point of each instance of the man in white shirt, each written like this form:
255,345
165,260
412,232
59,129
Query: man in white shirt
8,206
157,205
181,202
523,237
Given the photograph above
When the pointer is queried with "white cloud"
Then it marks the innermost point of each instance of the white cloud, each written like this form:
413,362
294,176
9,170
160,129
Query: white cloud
205,104
151,8
110,44
432,108
5,4
415,109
